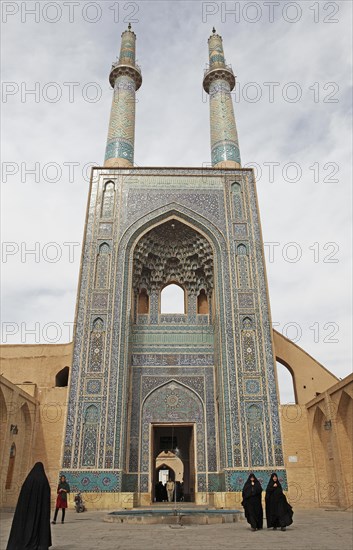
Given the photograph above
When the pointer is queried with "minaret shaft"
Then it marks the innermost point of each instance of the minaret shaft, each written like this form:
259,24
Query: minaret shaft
218,82
125,77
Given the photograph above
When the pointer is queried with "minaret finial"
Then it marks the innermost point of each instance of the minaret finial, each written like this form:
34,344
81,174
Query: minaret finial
214,30
129,26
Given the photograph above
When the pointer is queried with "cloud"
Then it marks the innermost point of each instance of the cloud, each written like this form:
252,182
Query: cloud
172,129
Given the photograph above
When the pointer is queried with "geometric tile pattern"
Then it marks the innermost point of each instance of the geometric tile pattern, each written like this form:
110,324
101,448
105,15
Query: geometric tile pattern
94,481
121,135
224,137
223,371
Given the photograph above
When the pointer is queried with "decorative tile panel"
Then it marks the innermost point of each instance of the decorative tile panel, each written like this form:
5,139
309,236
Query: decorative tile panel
240,230
90,481
245,300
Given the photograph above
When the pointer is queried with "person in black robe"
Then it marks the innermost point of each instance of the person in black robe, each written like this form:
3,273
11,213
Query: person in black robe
159,491
164,493
30,528
278,512
251,502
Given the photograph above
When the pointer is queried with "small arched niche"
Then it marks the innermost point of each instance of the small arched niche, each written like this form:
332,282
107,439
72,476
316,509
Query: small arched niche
173,299
3,419
62,378
143,302
235,187
11,467
202,303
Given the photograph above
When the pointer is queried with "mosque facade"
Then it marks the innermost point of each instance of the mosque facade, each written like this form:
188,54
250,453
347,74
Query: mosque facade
203,377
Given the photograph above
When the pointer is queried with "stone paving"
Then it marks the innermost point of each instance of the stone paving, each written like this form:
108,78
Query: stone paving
312,530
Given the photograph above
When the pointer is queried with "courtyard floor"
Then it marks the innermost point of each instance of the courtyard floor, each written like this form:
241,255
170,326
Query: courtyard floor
311,530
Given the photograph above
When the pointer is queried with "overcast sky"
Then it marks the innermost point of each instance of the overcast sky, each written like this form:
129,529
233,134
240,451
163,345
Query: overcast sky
293,112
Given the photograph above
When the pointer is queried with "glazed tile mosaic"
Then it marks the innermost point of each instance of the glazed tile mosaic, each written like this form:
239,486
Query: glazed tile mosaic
217,376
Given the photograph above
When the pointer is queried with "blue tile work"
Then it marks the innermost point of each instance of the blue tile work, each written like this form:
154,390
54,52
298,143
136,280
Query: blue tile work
188,398
172,359
216,483
121,133
94,386
90,433
224,151
237,201
171,403
252,386
202,483
119,148
130,483
92,481
236,479
108,202
224,137
203,200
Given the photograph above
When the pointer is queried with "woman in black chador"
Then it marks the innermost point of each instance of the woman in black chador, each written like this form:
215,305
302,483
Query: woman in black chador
31,523
278,512
252,502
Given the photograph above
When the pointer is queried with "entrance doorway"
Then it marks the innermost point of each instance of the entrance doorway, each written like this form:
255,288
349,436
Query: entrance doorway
173,457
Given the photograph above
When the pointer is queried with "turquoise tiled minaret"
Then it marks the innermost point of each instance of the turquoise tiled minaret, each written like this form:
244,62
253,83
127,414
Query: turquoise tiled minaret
218,82
125,77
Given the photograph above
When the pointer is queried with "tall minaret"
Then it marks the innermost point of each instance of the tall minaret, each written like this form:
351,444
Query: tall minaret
125,77
218,82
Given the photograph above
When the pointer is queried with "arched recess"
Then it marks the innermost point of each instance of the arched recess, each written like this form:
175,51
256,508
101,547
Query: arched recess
108,200
26,440
90,436
173,261
3,425
237,200
10,467
173,299
286,382
143,306
323,459
172,462
172,213
344,423
62,378
97,341
202,303
121,321
345,414
172,404
102,266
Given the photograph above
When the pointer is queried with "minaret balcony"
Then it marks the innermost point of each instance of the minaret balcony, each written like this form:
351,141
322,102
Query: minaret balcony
125,69
216,72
